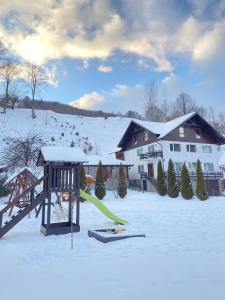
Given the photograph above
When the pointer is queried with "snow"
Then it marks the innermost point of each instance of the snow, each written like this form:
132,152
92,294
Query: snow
182,256
101,134
63,154
108,160
162,129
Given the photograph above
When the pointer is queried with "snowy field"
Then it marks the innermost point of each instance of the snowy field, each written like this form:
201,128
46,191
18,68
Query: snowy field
182,257
103,134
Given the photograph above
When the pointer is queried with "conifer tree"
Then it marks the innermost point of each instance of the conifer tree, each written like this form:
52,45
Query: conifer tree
82,177
201,190
172,188
186,186
160,184
99,184
122,187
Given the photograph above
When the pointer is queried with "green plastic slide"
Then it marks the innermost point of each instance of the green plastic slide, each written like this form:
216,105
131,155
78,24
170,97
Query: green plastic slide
99,204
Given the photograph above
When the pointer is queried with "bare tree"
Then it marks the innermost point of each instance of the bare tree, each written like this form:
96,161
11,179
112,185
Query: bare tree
184,104
156,107
15,93
35,77
22,151
8,73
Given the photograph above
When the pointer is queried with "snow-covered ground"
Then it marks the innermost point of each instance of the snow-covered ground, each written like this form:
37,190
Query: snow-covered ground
103,134
182,256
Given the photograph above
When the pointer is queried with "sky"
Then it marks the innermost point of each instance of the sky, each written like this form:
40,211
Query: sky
102,54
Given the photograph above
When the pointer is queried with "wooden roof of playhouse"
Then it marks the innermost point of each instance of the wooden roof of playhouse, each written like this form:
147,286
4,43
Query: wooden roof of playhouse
60,155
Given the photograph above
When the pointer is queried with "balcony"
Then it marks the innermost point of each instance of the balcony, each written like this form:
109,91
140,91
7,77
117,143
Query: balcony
205,174
150,155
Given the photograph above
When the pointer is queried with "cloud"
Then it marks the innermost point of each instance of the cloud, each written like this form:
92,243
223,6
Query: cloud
104,69
41,31
172,85
83,29
120,98
89,101
203,40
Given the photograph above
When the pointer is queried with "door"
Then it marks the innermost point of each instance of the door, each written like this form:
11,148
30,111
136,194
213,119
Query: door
144,185
150,170
212,187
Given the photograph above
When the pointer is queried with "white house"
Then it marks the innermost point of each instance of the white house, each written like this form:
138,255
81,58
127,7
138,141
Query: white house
184,139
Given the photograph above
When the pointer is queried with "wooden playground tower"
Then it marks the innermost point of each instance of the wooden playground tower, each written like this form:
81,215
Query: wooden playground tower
61,174
60,177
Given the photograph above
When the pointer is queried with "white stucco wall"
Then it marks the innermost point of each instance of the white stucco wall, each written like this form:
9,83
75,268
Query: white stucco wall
183,156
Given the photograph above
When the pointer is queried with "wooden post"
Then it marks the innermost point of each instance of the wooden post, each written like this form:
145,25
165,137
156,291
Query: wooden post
78,194
49,196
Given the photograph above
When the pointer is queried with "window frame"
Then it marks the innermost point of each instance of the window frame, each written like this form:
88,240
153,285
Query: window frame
134,139
146,137
204,147
181,131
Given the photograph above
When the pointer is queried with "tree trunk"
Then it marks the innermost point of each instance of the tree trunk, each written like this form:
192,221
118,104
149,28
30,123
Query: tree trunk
33,112
6,99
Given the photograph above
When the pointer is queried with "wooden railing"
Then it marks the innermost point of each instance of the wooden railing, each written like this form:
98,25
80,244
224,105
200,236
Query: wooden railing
154,154
30,190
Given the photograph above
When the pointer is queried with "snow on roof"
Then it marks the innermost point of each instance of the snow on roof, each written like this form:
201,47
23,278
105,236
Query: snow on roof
117,149
171,125
109,160
63,154
162,129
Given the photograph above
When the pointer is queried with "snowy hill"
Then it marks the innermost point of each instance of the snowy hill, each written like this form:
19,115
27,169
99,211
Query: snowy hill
94,135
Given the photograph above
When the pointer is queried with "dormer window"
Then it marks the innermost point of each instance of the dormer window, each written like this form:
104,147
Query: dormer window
146,135
181,131
198,135
134,139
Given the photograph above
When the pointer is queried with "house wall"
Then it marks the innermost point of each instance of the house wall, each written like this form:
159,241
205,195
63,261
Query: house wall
190,135
132,156
140,139
183,156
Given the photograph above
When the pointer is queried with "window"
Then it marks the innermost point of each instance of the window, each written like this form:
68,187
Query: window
181,131
151,148
198,135
134,139
189,166
178,167
208,167
191,148
140,169
146,135
206,149
194,166
175,147
139,151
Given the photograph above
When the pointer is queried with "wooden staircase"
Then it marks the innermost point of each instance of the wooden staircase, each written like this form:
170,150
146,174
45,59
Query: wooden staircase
22,212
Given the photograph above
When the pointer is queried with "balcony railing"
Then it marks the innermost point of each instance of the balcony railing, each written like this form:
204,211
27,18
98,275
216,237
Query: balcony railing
205,174
148,155
144,175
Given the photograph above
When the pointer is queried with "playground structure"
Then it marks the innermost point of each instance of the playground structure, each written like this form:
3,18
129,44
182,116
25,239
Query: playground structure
61,175
18,184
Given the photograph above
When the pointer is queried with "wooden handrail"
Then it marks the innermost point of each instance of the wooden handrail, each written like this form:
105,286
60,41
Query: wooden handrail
11,204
